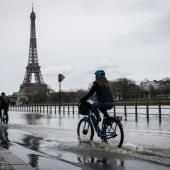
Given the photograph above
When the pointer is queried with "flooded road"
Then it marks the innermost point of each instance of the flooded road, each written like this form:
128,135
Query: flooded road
49,142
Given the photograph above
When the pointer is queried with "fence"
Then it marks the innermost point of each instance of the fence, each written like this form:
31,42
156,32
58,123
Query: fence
46,108
123,108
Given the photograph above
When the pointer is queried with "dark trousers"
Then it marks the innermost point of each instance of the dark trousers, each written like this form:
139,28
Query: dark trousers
5,111
103,107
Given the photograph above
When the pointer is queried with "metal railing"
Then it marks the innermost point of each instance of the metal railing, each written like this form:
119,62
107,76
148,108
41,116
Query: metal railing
124,108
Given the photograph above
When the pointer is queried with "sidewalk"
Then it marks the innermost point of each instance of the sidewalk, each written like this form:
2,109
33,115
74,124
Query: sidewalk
9,161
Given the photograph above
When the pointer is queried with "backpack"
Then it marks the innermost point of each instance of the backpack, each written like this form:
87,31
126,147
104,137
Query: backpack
83,108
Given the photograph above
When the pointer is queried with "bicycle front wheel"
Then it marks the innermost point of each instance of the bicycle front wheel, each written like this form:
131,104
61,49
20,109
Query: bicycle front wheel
85,131
115,134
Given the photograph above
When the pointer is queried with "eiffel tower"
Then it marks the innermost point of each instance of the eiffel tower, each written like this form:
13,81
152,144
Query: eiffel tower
33,84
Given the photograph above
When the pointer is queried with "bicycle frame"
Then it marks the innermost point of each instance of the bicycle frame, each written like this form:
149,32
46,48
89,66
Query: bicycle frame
97,128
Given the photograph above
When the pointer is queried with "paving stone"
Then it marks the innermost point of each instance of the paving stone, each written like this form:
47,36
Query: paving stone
12,160
4,165
22,167
9,161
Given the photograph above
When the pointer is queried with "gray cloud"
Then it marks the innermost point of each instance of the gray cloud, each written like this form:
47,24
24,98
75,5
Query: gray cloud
103,66
155,31
125,38
162,27
53,71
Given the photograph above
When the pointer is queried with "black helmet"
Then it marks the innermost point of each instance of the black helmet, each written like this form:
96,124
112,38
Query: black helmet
100,73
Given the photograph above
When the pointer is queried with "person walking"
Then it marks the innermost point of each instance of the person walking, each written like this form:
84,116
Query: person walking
104,99
4,104
0,108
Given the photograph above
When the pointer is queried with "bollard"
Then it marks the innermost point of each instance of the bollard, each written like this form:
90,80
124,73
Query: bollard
63,108
125,110
160,113
55,109
147,110
47,108
59,108
136,111
50,108
43,108
40,108
114,110
73,108
68,109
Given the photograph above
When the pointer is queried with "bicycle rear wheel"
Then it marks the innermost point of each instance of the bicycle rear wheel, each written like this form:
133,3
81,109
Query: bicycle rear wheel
85,131
115,134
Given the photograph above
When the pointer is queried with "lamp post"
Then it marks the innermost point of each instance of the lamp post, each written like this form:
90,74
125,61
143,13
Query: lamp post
60,79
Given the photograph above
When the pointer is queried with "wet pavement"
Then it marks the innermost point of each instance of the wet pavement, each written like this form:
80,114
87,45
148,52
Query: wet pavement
8,161
48,142
4,165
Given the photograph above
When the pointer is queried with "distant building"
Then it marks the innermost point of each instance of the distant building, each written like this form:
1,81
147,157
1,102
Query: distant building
147,85
13,98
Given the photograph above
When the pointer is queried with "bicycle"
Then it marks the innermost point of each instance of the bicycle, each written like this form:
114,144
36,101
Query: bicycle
112,133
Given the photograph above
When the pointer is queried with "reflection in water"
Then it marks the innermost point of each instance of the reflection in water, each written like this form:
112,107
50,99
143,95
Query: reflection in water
33,160
4,141
60,121
32,143
160,122
33,118
148,122
101,164
99,160
136,119
48,117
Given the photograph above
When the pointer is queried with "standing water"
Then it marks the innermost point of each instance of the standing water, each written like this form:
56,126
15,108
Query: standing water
46,141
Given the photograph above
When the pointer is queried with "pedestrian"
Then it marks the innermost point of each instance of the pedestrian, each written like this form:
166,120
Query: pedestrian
104,99
0,108
4,103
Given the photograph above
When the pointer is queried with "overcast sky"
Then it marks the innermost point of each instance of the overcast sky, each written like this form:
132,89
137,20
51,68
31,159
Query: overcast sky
126,38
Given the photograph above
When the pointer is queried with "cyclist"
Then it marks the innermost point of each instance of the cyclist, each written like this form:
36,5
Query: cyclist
104,99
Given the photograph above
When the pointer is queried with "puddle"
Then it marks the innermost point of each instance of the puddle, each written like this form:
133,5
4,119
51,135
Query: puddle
50,141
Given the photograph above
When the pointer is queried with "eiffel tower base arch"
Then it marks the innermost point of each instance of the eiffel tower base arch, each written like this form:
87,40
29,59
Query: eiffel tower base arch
32,94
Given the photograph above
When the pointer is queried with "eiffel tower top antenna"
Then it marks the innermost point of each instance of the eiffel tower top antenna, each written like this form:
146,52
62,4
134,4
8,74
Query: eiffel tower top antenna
32,7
